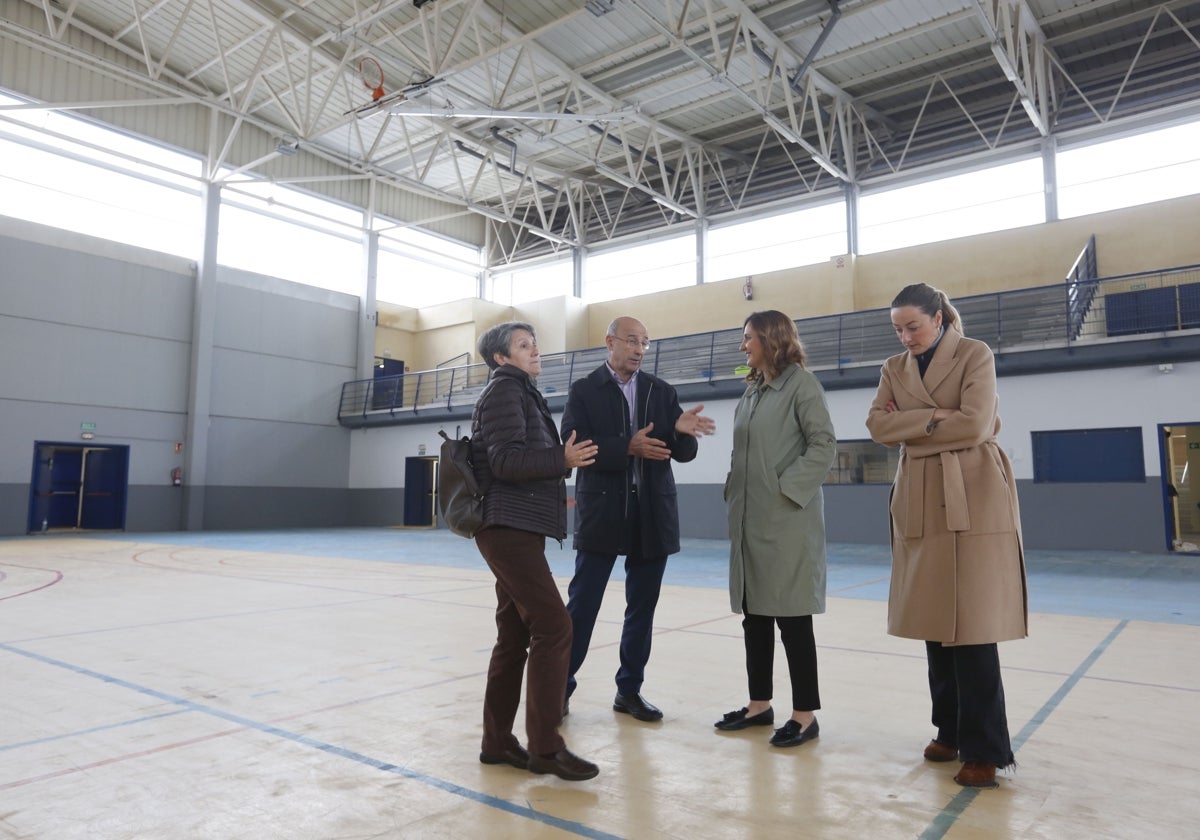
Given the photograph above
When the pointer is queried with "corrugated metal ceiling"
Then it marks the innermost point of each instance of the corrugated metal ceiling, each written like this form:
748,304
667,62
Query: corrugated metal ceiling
563,122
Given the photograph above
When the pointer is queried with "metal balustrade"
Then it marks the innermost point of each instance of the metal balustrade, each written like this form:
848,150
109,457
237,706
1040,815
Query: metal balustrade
1081,311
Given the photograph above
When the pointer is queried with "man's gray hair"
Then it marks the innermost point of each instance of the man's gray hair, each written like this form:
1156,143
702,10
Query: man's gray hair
616,324
498,339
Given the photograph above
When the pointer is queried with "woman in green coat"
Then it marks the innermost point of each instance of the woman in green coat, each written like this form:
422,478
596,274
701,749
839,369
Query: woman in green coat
783,447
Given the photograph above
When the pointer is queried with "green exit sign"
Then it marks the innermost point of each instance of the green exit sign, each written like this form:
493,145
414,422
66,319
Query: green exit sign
1194,446
87,427
1135,286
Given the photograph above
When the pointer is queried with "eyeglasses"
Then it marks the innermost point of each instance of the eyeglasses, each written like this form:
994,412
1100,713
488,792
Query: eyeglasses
632,341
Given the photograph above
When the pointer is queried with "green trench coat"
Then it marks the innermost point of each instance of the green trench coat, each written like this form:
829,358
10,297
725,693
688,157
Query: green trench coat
783,447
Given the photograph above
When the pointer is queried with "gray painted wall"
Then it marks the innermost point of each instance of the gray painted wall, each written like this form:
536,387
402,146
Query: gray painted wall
853,513
14,505
250,508
92,332
1110,517
384,506
857,513
87,337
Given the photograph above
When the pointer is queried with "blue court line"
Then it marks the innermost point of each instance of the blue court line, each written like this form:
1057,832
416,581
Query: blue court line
943,821
430,781
77,733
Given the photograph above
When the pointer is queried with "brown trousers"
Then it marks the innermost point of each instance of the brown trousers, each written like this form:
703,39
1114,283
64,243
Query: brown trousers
532,624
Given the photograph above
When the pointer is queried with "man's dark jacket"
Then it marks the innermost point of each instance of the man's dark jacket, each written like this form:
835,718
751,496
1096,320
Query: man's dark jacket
596,410
518,457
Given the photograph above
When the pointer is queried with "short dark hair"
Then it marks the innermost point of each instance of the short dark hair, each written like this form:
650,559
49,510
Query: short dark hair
498,339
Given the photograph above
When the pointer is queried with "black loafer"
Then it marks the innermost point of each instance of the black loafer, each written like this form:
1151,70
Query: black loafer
790,734
516,756
742,718
634,704
564,764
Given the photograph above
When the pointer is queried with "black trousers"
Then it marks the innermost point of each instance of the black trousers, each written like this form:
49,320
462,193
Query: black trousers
799,644
968,701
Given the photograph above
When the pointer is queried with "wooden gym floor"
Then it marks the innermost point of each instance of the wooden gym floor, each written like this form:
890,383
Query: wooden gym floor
328,685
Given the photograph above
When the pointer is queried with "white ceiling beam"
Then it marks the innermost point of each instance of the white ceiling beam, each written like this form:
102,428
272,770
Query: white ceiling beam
1020,48
770,91
552,82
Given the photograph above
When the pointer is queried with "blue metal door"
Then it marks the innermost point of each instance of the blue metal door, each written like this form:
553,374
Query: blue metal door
54,489
105,477
41,487
75,486
420,501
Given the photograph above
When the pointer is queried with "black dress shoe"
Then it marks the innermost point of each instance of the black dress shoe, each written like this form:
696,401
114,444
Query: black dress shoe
790,734
564,764
516,756
633,704
742,718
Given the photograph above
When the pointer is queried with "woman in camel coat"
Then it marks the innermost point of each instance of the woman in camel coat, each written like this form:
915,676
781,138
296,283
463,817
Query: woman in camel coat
958,570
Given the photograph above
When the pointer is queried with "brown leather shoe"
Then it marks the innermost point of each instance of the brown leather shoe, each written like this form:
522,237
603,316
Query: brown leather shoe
564,764
977,774
937,751
516,756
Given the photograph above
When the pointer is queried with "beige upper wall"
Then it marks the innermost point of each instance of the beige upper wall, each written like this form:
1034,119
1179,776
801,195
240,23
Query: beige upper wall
560,322
1144,238
800,292
429,337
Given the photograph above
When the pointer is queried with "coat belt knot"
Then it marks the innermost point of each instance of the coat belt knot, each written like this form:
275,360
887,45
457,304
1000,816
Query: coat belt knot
954,492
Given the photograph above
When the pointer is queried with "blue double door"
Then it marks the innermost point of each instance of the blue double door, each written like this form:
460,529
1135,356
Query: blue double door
78,487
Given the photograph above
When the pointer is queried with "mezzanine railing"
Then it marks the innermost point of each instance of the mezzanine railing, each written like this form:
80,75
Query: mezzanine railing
1083,310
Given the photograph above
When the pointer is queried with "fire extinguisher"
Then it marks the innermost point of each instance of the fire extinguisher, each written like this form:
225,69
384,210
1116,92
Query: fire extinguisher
177,476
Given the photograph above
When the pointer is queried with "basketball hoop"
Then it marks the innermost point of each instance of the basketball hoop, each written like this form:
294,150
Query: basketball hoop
371,73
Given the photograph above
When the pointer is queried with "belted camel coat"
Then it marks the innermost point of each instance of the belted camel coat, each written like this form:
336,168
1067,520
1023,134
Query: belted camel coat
958,566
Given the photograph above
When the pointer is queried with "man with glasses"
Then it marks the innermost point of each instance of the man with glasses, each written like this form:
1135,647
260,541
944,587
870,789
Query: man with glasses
625,502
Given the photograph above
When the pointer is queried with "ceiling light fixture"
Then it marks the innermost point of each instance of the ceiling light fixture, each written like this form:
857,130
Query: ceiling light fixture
489,113
287,145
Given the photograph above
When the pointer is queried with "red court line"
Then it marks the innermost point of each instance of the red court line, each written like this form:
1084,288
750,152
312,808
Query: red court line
184,568
81,768
57,577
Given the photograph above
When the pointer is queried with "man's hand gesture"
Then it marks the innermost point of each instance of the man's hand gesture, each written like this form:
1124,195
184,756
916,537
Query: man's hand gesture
693,423
650,448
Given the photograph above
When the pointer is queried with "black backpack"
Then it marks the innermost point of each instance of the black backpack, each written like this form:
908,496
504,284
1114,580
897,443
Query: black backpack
460,496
